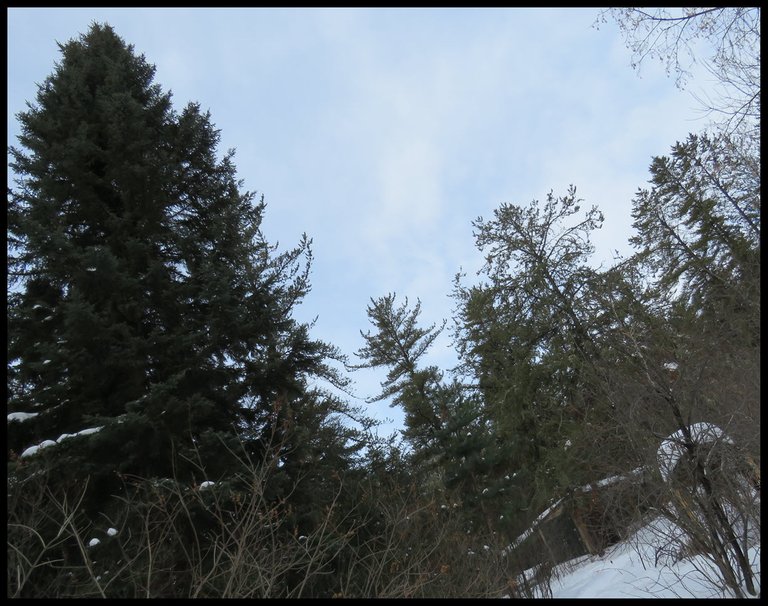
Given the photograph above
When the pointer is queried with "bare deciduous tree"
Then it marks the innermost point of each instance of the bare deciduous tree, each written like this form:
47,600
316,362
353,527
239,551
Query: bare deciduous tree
676,36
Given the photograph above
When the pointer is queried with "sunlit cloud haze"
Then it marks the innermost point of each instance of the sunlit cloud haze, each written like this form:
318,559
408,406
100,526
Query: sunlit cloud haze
383,133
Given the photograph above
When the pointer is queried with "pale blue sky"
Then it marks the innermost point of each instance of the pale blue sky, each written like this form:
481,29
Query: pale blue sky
383,133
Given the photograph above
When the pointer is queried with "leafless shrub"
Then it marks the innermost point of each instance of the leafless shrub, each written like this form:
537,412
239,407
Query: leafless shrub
47,541
230,539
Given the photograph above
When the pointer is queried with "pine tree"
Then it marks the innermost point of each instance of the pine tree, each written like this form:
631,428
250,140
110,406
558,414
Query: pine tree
452,447
698,226
145,303
399,344
527,336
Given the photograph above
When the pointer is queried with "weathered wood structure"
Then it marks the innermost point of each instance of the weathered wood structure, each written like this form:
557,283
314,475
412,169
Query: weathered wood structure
585,521
593,517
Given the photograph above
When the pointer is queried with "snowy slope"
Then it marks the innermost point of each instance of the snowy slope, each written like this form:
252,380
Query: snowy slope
634,570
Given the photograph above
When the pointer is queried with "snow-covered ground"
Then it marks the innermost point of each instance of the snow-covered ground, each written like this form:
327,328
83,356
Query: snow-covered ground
634,569
647,565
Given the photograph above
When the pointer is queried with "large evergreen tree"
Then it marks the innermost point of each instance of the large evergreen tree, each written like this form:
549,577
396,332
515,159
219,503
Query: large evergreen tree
144,300
527,336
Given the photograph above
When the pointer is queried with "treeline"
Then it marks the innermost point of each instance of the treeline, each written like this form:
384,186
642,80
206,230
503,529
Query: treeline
166,433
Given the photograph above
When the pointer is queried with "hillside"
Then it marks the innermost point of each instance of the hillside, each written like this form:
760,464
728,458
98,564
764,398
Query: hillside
641,568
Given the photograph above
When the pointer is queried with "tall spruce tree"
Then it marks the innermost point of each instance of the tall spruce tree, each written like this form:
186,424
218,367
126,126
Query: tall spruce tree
145,304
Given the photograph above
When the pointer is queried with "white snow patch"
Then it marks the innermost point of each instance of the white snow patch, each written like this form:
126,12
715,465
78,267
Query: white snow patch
83,432
632,569
111,531
21,416
613,479
33,449
673,447
206,484
93,542
45,443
